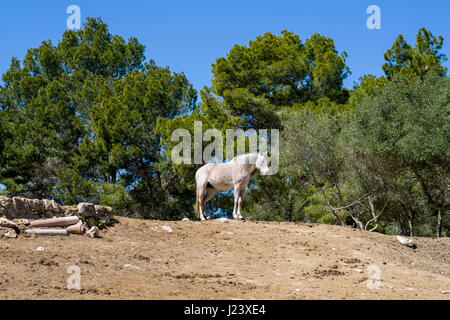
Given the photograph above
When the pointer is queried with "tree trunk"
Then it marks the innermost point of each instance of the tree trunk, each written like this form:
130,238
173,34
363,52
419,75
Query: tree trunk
411,223
163,197
439,223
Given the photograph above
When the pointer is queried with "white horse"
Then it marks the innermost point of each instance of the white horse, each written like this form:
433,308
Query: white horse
213,177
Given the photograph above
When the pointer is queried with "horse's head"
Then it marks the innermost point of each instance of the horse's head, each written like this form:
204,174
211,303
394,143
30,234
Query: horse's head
262,163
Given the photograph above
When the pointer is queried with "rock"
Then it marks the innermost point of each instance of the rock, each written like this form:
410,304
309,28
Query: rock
109,211
24,222
100,211
19,205
40,249
105,220
5,202
167,228
36,205
6,223
93,232
222,219
406,242
11,234
69,211
358,270
86,209
131,266
51,206
6,207
8,232
445,291
185,219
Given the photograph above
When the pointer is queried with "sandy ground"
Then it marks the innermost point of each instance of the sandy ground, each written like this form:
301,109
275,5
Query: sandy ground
138,259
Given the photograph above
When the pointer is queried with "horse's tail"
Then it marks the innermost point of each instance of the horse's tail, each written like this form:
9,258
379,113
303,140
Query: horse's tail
197,211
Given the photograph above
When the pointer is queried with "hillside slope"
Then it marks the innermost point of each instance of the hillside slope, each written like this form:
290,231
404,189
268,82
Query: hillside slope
138,259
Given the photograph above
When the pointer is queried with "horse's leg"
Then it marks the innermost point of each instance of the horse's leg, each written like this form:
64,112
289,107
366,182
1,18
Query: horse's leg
237,189
241,194
201,197
210,193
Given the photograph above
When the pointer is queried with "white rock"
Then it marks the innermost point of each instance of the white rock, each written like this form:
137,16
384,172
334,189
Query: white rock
445,291
406,242
223,219
11,234
40,248
4,222
167,228
358,270
185,219
93,232
86,209
131,266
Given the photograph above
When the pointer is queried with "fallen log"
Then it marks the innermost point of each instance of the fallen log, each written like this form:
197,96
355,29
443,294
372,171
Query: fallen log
55,222
48,232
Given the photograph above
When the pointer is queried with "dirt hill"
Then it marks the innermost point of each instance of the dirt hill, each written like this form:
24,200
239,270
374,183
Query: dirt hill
139,259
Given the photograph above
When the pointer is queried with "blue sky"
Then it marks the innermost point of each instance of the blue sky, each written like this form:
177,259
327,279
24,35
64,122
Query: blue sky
189,35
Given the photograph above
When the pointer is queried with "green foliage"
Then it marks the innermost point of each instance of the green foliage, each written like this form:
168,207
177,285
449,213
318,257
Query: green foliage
79,122
415,62
367,87
272,72
406,126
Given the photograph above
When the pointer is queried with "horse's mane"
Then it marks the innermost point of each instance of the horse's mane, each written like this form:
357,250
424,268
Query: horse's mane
243,155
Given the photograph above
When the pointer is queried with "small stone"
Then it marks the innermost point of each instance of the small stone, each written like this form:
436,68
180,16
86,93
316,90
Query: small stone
445,291
358,270
167,228
131,266
40,248
93,232
11,234
406,242
185,219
